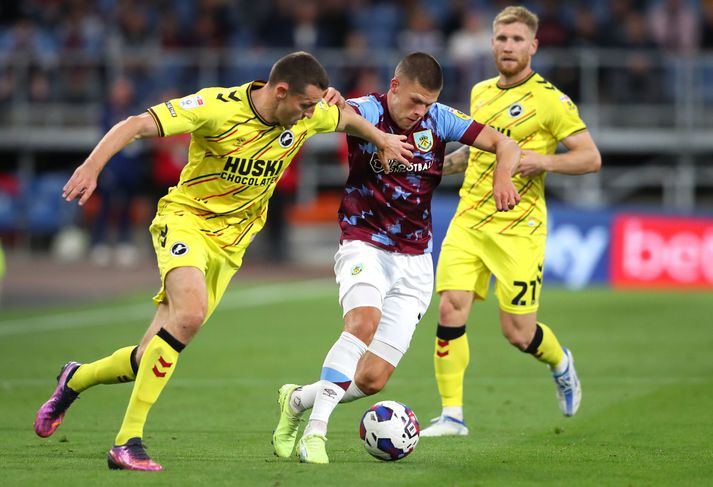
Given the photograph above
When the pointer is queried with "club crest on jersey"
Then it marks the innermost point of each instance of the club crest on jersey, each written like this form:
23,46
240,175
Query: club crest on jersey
191,102
286,139
178,249
515,110
357,269
423,140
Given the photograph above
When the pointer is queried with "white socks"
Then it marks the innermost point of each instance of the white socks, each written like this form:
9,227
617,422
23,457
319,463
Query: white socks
453,412
562,366
336,378
303,398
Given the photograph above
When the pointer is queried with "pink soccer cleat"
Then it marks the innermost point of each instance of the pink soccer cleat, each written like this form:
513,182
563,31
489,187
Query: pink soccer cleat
131,456
50,415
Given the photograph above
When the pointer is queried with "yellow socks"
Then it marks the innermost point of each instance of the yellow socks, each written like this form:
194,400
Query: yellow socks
117,367
545,346
157,366
450,359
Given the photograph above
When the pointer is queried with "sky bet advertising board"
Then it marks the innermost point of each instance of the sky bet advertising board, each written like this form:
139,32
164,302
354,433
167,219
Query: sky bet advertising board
624,249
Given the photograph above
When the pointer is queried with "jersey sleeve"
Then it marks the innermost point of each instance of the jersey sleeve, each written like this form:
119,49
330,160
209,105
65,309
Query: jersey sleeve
455,126
368,107
562,119
324,119
196,113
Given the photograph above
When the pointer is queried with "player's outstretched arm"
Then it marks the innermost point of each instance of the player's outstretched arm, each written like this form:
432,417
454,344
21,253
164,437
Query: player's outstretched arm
389,146
84,180
456,161
507,156
582,157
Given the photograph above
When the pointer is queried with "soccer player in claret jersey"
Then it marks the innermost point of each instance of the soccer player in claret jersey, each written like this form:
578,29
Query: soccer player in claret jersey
511,246
243,138
383,265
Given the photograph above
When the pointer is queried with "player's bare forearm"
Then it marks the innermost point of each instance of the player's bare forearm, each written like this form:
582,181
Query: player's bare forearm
390,146
83,181
507,156
582,157
456,161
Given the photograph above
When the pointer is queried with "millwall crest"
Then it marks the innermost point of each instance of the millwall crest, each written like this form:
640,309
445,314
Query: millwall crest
286,139
423,140
515,110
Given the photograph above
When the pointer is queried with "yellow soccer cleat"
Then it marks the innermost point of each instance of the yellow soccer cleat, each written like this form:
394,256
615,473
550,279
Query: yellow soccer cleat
285,434
313,449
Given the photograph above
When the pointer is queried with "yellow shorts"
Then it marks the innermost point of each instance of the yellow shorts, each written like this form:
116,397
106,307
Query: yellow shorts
182,239
468,259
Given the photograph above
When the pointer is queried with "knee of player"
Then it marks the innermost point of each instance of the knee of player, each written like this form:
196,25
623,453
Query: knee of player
370,384
190,317
362,324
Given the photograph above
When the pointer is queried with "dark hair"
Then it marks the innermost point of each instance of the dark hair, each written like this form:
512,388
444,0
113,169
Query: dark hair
423,68
298,70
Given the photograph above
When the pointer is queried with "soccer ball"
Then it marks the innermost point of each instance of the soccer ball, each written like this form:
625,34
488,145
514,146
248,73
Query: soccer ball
389,430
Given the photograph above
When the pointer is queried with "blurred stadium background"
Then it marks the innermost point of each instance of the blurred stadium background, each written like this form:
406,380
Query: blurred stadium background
641,72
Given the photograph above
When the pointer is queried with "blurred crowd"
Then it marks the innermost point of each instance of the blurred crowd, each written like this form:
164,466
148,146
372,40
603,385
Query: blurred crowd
107,59
80,32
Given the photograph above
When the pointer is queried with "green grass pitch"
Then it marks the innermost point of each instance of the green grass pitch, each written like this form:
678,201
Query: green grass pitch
645,360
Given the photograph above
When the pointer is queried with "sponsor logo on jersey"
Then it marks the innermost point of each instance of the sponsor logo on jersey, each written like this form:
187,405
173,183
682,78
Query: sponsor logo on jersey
178,249
459,114
515,110
191,102
171,110
357,269
286,139
423,140
252,172
502,130
567,101
396,167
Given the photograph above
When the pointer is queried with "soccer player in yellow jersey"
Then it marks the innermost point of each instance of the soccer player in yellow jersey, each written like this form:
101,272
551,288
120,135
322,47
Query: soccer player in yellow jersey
243,138
509,245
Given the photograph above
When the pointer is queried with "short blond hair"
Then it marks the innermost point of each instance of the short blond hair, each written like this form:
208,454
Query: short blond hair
510,15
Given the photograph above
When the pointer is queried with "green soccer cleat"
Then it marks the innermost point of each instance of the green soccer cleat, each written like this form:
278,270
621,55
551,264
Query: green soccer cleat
313,449
285,434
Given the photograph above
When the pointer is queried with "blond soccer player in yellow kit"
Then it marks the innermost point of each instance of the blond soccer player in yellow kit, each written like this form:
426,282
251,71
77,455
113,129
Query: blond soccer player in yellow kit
243,138
481,241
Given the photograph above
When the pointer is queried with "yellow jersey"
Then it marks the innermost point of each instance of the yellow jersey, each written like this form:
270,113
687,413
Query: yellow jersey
537,116
235,157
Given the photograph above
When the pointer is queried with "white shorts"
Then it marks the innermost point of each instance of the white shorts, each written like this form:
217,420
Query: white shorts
404,281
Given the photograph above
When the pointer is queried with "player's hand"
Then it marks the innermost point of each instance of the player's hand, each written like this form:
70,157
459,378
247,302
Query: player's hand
395,148
504,192
81,185
531,164
334,97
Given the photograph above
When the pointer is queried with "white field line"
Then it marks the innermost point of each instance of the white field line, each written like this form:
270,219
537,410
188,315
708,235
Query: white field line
243,298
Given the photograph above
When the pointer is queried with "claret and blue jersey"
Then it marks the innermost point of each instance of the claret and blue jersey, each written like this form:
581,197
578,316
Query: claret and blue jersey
393,211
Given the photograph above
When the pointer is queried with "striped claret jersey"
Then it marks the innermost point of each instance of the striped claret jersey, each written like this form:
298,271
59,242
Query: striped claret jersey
537,116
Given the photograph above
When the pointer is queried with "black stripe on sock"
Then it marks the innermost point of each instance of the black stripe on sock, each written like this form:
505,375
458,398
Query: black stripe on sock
132,359
536,340
171,340
449,332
